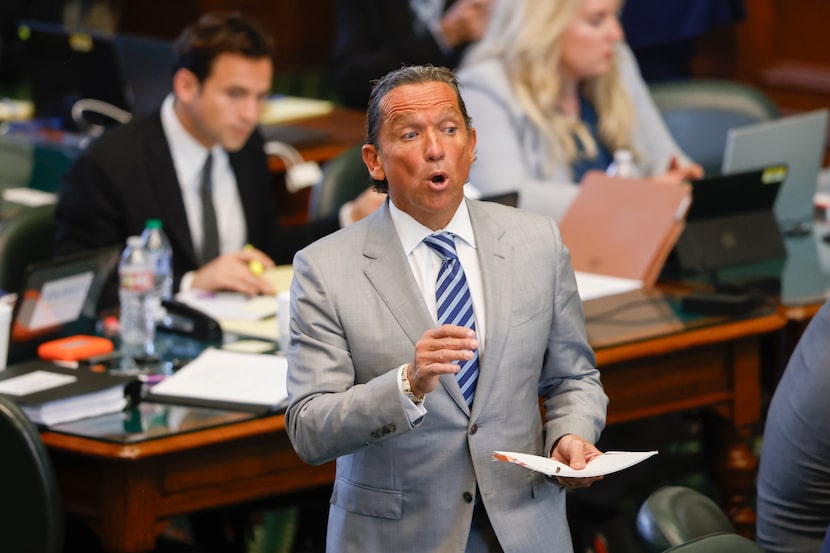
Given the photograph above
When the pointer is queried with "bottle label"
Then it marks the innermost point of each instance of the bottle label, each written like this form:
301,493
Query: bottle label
137,281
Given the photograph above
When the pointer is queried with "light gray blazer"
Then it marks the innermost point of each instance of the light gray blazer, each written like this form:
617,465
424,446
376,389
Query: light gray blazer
513,154
356,315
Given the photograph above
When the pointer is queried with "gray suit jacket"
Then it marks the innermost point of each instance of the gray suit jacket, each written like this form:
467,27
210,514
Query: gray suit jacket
356,315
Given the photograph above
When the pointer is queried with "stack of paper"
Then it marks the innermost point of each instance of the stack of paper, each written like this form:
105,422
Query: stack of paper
252,317
280,109
49,394
220,378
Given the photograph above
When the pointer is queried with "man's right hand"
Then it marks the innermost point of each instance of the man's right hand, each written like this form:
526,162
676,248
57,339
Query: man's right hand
232,271
435,353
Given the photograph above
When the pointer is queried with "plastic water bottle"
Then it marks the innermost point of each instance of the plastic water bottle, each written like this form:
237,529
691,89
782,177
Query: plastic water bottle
160,255
135,293
623,165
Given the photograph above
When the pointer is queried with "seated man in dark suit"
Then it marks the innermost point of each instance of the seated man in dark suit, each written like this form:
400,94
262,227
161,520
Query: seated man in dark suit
203,143
794,475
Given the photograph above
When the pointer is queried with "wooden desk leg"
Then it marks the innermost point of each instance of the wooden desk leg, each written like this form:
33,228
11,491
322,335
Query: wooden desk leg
737,467
128,524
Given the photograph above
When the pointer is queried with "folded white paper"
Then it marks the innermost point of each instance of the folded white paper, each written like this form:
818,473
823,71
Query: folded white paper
608,462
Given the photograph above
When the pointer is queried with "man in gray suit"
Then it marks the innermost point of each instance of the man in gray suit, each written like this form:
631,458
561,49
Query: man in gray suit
412,409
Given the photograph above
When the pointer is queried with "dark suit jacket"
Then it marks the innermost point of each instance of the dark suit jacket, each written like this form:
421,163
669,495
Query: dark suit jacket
375,37
127,176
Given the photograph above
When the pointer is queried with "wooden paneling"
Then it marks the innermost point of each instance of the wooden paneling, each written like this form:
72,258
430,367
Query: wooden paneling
303,30
780,48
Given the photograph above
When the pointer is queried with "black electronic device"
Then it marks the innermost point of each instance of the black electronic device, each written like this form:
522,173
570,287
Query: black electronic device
189,321
58,298
730,222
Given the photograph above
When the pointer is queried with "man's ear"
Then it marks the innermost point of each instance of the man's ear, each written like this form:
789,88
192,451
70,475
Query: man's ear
185,85
374,162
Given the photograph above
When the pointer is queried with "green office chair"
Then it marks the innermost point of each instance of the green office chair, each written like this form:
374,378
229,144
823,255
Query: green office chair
672,515
699,112
26,237
344,178
31,515
717,543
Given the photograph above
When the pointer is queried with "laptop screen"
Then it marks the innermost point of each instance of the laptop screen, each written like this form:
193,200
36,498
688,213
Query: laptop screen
58,298
740,192
796,141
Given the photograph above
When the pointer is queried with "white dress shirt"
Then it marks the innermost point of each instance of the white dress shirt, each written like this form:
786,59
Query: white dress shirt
189,158
425,264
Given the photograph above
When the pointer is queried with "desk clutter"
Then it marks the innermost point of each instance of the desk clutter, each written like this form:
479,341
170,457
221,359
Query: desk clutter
81,376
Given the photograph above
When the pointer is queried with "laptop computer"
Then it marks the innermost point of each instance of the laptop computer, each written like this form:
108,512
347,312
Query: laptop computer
731,222
796,141
58,298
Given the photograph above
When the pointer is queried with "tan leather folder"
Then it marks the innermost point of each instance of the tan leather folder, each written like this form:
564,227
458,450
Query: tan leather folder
624,227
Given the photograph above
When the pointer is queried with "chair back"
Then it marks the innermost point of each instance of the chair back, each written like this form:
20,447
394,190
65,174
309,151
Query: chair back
699,112
717,543
31,515
672,515
344,178
26,237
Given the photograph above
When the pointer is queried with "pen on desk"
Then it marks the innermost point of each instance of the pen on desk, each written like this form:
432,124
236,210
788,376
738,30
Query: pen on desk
255,265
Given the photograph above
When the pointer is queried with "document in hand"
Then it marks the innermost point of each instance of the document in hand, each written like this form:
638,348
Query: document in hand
227,379
624,227
50,395
607,463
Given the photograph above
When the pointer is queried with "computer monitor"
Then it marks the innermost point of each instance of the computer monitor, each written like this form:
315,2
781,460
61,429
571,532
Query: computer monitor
67,65
796,141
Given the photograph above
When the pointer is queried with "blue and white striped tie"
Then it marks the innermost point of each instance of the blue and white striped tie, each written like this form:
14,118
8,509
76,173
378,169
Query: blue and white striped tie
455,306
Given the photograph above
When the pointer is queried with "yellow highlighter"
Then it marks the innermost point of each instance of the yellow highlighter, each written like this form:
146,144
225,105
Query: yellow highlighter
255,265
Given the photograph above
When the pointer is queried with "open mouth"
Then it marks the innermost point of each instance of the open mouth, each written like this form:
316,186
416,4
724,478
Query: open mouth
438,178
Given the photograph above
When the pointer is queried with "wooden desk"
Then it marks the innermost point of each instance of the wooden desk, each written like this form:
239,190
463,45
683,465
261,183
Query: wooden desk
717,367
129,493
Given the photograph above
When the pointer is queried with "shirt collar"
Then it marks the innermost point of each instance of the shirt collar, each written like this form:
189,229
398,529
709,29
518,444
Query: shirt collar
188,153
412,233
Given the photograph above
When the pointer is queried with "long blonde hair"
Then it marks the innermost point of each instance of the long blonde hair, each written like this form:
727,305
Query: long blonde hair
526,36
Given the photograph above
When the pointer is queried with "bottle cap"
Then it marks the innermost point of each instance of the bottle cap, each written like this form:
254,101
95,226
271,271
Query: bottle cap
153,223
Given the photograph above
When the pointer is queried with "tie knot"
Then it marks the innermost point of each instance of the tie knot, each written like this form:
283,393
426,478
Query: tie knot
443,243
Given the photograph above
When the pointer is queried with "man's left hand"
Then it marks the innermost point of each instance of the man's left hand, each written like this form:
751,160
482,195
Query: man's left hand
576,453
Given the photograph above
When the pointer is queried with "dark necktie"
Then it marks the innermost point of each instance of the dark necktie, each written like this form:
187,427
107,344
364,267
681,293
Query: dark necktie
210,231
455,306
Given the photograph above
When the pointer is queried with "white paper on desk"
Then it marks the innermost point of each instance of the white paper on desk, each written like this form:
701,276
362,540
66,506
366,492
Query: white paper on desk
230,305
280,108
608,462
219,375
29,196
35,381
593,285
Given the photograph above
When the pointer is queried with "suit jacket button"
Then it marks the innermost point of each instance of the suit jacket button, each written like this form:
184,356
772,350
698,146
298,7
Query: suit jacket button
376,434
389,428
474,428
468,497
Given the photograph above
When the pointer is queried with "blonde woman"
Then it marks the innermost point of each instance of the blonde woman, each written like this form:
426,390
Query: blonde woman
553,91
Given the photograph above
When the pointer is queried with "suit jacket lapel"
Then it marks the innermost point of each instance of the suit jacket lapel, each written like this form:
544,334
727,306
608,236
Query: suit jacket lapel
388,270
165,184
495,258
